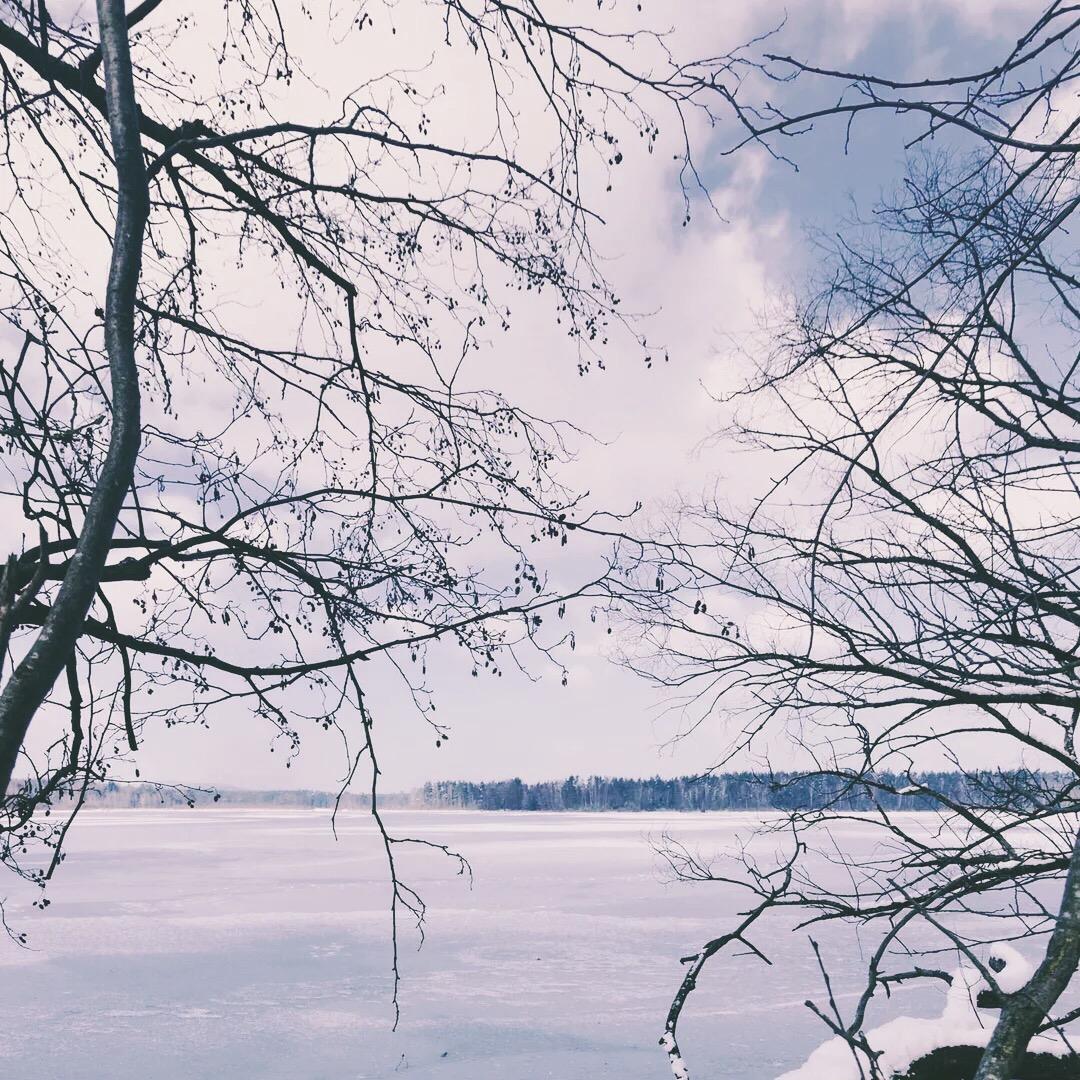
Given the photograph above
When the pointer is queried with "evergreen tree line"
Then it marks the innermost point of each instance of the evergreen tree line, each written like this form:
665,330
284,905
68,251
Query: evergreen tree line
1008,790
1017,790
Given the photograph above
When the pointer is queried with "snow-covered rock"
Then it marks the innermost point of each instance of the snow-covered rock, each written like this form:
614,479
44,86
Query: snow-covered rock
906,1040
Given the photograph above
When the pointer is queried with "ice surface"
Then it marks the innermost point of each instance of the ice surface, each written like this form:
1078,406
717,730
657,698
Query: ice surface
205,944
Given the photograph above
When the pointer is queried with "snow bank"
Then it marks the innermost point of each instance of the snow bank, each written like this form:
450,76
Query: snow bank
905,1040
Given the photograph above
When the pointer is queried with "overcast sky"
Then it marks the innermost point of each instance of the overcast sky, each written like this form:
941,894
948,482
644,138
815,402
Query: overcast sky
705,286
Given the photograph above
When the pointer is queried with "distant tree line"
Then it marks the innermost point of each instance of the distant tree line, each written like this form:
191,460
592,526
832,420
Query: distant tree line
745,791
1014,790
113,794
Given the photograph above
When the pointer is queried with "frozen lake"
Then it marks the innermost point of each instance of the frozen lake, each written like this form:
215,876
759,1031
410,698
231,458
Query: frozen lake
203,944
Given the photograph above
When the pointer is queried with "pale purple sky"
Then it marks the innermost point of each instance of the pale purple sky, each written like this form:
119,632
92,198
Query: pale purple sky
706,287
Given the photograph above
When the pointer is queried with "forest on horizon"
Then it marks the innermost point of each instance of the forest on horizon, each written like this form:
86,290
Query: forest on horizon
746,790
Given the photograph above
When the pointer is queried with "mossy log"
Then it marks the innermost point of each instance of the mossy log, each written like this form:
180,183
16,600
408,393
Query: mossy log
960,1063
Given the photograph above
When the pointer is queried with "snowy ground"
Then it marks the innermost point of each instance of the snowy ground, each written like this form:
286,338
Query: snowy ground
204,944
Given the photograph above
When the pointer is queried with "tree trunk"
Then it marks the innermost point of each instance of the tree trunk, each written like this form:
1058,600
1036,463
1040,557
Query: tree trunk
34,676
1027,1010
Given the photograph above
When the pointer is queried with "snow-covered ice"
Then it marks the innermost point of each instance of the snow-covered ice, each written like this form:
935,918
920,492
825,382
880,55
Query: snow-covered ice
210,943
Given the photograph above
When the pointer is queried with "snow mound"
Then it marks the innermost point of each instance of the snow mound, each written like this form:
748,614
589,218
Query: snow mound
905,1040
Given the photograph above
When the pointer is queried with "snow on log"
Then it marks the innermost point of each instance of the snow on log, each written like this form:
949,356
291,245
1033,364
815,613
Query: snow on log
941,1048
678,1066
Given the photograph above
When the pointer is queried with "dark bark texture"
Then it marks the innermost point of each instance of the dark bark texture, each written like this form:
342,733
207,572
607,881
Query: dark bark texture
35,674
959,1063
1025,1012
